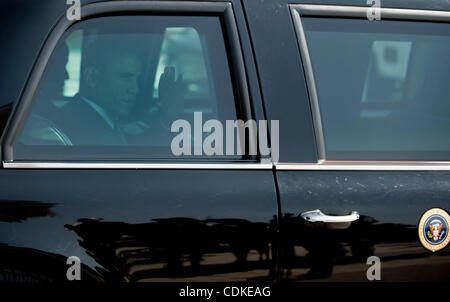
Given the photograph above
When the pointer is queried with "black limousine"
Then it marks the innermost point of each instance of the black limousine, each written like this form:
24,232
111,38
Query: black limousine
230,140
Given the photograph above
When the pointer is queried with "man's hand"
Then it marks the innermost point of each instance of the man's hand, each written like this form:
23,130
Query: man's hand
171,95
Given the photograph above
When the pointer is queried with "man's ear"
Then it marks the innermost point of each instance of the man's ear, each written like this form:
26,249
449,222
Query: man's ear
92,76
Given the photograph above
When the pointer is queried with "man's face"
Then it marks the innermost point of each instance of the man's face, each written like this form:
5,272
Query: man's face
118,85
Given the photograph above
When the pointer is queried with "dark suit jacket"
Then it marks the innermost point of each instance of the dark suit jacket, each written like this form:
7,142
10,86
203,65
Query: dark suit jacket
84,126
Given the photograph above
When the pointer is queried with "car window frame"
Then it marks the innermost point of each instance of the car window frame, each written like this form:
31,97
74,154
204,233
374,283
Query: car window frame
222,10
340,11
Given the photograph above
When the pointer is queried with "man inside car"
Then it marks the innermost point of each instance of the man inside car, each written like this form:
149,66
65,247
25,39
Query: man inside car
101,113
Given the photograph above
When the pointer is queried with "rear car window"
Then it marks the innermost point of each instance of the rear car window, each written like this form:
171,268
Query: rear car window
382,87
114,85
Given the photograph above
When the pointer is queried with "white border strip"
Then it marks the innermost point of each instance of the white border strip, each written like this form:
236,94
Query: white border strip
167,166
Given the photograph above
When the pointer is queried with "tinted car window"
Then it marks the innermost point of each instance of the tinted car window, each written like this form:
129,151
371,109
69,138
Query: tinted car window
114,85
382,87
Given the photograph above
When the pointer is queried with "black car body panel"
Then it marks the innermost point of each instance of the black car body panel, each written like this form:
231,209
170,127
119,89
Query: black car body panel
179,219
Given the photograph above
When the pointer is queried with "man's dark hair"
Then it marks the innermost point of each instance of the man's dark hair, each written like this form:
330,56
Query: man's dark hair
98,54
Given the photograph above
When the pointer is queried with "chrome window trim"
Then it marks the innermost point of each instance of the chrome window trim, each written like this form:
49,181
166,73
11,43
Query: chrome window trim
329,165
98,9
143,166
361,12
316,10
311,85
283,166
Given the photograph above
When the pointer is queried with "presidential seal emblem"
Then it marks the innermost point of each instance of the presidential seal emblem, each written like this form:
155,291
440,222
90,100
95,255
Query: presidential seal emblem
433,229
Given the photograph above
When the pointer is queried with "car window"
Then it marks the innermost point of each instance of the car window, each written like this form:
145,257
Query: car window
114,85
382,87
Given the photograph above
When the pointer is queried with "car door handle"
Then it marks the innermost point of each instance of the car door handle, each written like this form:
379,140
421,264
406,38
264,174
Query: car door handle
318,216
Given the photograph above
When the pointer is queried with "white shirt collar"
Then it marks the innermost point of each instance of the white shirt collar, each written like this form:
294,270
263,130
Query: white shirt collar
100,111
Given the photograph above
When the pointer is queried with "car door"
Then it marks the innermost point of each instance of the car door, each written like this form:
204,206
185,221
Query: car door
137,212
364,147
